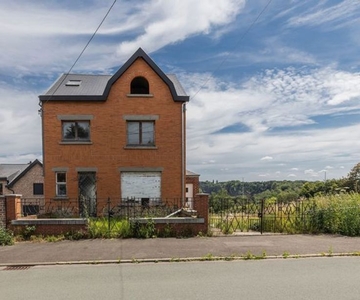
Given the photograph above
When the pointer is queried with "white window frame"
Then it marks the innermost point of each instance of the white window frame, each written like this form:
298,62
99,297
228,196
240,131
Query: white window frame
60,184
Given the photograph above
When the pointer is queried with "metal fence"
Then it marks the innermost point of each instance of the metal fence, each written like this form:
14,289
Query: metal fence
227,216
80,207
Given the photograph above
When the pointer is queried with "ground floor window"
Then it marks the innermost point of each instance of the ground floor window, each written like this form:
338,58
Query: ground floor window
61,184
143,187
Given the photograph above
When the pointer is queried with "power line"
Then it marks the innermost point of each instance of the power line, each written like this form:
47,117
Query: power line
236,44
81,53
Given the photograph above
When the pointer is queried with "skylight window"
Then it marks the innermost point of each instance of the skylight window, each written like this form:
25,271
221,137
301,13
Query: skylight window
73,83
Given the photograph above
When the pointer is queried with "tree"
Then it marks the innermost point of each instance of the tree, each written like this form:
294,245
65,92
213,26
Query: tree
353,178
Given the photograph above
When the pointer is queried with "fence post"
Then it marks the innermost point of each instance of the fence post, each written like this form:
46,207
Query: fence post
201,205
13,208
2,212
109,214
262,216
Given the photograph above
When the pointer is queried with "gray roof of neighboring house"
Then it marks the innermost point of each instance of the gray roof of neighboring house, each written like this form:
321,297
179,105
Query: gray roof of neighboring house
13,172
189,173
97,87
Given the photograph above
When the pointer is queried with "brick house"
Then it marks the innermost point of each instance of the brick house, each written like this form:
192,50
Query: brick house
119,136
24,179
192,187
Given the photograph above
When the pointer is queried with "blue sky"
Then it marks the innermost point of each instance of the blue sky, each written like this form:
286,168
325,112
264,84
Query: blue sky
278,99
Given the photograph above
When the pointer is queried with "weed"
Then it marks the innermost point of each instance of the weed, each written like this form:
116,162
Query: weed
230,258
262,256
175,259
143,231
28,231
249,255
286,254
331,251
53,238
6,237
208,256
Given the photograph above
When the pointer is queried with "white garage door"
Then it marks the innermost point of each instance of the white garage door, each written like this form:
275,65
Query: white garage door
140,185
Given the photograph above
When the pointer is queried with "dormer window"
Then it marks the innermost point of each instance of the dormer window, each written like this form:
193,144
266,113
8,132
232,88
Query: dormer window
73,83
139,85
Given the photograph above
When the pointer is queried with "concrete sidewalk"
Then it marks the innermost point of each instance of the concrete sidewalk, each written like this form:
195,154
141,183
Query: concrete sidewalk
127,250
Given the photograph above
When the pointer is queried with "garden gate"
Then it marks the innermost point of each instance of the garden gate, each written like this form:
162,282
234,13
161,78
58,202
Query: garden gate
230,216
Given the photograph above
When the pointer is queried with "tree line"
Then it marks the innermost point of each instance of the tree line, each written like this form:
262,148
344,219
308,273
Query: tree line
281,191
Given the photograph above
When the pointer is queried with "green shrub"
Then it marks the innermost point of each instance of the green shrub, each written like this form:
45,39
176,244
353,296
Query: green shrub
28,231
143,231
6,237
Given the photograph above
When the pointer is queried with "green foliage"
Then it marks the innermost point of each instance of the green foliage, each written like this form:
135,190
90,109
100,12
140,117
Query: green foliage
168,231
6,237
99,228
28,231
143,231
353,179
76,235
337,214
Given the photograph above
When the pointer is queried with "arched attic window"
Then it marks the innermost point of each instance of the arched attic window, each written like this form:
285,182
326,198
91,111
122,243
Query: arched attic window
139,85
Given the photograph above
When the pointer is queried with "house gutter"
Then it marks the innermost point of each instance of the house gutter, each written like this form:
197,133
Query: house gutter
183,149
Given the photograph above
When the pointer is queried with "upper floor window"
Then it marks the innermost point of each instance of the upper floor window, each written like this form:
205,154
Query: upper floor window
1,189
140,133
76,130
139,85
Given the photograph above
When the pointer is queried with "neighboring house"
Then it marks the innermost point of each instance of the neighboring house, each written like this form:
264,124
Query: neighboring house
24,179
119,136
192,187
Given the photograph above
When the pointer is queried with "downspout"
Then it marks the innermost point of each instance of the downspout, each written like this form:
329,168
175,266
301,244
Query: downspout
183,149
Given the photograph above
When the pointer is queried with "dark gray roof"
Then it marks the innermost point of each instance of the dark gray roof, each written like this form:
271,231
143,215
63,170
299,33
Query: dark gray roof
178,87
91,85
10,171
97,87
13,172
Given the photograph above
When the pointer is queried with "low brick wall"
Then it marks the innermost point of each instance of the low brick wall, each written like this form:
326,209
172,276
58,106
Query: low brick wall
177,226
2,212
47,227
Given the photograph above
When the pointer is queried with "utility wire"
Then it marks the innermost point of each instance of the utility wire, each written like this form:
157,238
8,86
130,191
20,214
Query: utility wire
81,53
236,45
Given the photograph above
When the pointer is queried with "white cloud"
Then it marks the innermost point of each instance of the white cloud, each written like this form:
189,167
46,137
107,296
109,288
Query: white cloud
318,15
62,30
294,169
266,158
175,20
292,175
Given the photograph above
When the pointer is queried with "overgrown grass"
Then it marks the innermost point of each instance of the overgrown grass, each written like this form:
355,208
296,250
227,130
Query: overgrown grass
117,228
333,214
337,214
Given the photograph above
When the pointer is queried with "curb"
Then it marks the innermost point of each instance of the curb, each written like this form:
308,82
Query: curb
175,260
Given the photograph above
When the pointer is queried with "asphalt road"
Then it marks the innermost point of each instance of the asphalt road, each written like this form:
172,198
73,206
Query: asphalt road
304,278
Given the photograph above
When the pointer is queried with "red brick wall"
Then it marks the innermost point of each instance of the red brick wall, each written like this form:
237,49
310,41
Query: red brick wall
2,212
108,134
50,229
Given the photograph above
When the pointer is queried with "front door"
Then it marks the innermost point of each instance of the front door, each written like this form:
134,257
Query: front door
87,194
